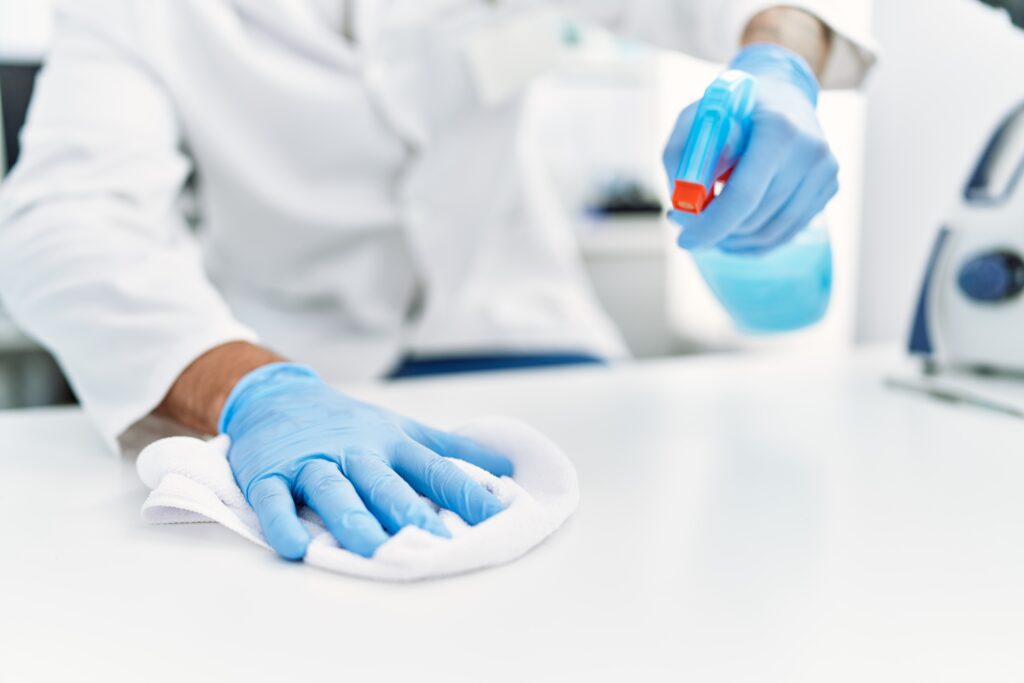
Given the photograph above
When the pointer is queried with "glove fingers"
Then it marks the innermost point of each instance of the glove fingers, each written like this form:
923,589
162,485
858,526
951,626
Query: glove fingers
444,483
335,500
389,497
744,192
275,508
809,199
778,192
455,446
771,234
787,226
785,189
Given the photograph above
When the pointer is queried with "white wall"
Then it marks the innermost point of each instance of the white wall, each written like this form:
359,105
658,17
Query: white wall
24,28
951,70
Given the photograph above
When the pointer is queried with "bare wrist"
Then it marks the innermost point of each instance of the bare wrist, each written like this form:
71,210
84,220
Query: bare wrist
794,29
198,395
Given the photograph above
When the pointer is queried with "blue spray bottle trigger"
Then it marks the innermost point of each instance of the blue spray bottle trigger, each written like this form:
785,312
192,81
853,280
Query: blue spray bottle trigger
717,139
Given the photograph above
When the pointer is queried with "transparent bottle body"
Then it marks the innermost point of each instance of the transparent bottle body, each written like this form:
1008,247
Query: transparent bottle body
783,290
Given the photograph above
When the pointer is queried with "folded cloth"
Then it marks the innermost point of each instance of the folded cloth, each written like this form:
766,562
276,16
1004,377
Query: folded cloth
192,482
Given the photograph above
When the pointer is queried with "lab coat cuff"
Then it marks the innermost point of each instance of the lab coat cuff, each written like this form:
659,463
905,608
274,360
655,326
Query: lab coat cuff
115,421
775,61
853,52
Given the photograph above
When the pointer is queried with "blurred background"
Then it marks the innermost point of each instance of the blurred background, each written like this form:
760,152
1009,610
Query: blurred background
906,145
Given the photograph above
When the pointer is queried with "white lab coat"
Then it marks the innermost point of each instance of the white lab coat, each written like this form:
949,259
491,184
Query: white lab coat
354,204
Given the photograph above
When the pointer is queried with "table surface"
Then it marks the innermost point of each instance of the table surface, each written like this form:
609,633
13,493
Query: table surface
742,519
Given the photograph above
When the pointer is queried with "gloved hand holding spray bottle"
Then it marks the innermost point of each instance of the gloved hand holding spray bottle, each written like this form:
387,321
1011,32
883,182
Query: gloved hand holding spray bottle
755,140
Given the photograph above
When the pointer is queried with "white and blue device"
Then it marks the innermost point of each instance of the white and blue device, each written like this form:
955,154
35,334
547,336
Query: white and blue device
970,313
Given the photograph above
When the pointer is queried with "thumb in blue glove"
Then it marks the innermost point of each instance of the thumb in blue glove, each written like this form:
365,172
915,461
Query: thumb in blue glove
361,468
786,176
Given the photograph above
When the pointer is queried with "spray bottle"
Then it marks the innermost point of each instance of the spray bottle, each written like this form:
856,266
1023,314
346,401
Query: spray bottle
785,289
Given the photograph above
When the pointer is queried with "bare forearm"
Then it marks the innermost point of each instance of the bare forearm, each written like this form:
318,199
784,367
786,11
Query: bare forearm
794,29
198,395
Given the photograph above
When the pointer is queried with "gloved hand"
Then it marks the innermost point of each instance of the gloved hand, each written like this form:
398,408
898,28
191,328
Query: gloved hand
357,466
787,174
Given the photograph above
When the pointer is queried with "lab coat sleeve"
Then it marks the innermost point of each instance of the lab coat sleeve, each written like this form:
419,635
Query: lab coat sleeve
713,30
96,262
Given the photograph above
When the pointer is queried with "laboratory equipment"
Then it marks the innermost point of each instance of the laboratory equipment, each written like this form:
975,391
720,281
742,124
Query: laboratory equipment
970,311
958,392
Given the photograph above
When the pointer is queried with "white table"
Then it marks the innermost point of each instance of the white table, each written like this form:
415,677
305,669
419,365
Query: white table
742,519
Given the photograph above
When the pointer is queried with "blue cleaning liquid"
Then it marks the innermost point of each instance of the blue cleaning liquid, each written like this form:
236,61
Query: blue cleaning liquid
786,289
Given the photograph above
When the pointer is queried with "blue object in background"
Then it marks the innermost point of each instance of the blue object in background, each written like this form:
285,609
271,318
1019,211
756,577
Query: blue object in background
992,277
455,365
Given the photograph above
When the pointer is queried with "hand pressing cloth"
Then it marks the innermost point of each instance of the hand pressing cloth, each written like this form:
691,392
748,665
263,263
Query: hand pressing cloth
190,481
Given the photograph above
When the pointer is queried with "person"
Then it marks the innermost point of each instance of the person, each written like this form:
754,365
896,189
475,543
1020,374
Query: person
341,181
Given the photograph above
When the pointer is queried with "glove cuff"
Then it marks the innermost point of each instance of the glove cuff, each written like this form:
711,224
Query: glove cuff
768,60
271,375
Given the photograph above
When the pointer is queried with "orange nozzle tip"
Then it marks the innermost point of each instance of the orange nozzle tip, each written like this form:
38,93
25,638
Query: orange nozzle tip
689,197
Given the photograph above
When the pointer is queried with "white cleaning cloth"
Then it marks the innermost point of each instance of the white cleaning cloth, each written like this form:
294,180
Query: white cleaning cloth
192,482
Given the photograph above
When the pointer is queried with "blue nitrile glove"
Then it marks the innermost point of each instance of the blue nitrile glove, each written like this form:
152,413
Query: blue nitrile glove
359,467
786,176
